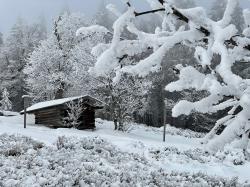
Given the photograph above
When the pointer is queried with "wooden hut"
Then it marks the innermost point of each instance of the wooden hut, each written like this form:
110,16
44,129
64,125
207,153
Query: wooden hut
53,113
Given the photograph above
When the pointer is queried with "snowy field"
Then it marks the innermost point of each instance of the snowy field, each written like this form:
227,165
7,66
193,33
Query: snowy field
39,156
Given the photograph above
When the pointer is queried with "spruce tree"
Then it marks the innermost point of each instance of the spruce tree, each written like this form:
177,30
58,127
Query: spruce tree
5,103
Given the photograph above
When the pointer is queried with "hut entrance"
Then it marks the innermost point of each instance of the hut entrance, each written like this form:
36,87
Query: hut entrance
80,117
87,119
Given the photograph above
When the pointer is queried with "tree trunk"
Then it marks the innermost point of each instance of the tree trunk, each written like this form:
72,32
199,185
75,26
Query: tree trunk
120,128
115,123
60,92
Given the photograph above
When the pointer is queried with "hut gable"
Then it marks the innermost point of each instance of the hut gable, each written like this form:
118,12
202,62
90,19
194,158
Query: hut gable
52,113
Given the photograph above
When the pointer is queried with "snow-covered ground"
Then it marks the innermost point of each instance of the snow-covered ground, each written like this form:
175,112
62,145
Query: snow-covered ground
181,153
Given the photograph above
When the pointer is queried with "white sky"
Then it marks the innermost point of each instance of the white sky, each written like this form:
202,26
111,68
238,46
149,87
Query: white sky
31,10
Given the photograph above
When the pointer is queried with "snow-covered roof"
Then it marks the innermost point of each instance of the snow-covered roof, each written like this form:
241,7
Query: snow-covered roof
56,102
8,113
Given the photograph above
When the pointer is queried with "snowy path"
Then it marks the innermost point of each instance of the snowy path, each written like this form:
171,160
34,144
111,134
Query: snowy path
137,141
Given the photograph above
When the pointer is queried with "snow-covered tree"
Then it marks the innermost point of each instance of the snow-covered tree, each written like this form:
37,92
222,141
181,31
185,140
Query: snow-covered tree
5,103
23,38
85,58
60,62
122,98
208,38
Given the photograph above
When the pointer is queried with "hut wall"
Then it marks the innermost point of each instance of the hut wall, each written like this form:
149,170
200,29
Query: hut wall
49,117
53,116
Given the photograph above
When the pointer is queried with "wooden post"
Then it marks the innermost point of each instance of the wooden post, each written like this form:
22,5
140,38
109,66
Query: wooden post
164,106
25,116
164,121
25,104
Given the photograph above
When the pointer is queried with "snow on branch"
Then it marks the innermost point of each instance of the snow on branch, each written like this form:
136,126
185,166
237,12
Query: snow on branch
181,16
208,38
93,29
157,41
227,89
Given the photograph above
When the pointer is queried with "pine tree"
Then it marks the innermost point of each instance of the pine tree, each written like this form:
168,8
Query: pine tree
6,104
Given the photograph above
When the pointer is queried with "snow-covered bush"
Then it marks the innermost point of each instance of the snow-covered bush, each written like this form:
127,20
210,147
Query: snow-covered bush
89,162
229,156
17,145
208,38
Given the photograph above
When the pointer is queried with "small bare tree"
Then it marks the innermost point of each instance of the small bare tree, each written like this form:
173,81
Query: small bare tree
75,109
123,98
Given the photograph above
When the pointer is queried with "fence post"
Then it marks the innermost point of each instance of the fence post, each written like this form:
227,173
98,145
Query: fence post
25,104
164,105
164,121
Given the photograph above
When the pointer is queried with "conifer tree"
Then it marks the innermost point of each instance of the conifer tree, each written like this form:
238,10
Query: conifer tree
5,103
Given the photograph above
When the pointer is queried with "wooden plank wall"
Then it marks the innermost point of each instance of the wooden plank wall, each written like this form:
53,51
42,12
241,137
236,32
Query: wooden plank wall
53,117
49,117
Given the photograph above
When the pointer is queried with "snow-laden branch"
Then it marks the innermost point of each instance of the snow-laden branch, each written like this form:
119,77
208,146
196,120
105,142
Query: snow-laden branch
208,38
221,82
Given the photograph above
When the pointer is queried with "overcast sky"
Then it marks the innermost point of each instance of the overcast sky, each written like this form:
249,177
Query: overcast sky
31,10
